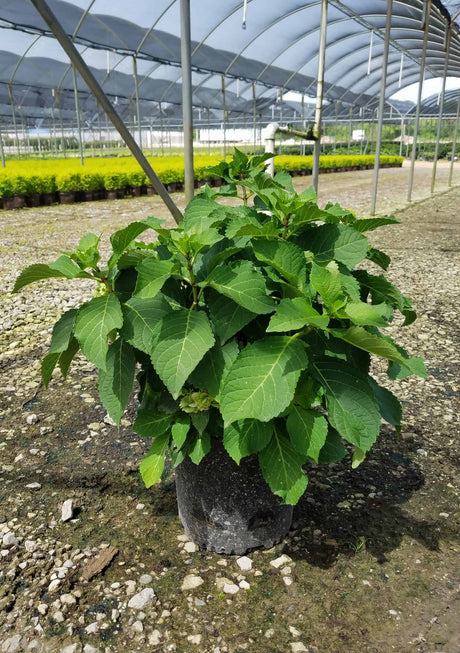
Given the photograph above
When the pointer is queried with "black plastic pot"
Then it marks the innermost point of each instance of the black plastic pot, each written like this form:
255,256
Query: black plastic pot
229,508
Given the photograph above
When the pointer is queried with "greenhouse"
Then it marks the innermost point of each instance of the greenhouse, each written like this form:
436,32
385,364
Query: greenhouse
229,327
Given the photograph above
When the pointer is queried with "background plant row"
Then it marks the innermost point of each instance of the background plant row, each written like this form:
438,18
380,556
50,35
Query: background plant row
30,177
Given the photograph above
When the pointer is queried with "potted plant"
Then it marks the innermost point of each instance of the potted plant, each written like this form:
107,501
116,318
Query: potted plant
49,189
115,184
68,186
247,332
6,192
91,184
136,180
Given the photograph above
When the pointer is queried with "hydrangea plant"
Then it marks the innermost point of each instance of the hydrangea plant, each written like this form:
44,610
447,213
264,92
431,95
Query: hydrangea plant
249,323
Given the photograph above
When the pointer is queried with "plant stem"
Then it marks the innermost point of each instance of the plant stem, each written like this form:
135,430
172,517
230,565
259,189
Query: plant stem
192,281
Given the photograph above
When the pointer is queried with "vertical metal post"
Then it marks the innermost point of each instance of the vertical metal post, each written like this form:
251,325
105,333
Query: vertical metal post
254,114
15,125
151,140
224,111
403,130
77,111
419,99
350,128
138,111
281,121
187,113
209,132
2,153
319,93
454,143
441,108
383,84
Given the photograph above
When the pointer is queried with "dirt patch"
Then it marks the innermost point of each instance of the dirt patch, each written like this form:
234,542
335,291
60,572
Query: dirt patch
372,559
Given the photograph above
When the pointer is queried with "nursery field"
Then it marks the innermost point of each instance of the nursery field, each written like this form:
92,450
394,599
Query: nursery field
371,563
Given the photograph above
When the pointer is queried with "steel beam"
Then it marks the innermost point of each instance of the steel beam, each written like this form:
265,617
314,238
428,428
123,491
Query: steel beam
77,112
319,92
75,57
383,83
441,108
138,110
2,153
427,13
454,144
187,111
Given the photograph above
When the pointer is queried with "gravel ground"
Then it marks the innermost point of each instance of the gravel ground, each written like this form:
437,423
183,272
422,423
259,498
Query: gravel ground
371,563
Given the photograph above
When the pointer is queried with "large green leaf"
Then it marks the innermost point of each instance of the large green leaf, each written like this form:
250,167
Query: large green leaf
116,381
327,282
152,275
66,357
338,242
307,430
245,437
184,336
37,272
294,314
352,408
380,289
281,467
60,340
262,380
374,344
242,283
123,238
180,429
140,316
389,406
94,321
200,447
151,423
227,316
363,314
152,465
287,259
378,257
202,213
411,366
333,450
212,369
369,224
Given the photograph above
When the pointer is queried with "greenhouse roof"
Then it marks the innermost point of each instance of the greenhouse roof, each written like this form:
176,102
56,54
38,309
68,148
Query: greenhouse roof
260,49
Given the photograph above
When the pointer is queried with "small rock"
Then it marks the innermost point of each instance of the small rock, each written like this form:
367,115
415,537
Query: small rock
191,581
190,547
130,587
139,601
199,603
194,639
154,638
33,486
230,588
244,563
297,647
244,585
286,571
58,617
72,648
287,580
54,585
422,452
67,510
366,582
282,560
145,579
68,599
294,632
90,649
32,419
9,539
140,506
30,546
11,644
92,629
42,608
444,514
138,627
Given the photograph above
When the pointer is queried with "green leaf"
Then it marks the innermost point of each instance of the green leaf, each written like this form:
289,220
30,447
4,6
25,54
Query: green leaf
389,406
294,314
307,430
374,344
333,450
184,336
140,316
200,448
151,423
287,259
133,257
227,316
326,281
36,272
123,238
200,420
285,180
116,381
380,289
67,356
358,457
68,268
180,429
243,284
94,321
87,250
350,285
281,467
363,314
352,408
246,437
213,368
378,257
411,366
369,224
338,242
152,275
60,340
152,465
200,214
262,380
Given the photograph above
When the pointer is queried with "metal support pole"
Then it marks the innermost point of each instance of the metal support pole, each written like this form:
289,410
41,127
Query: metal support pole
224,110
319,93
383,84
2,153
77,111
15,125
403,130
138,110
419,99
75,57
350,128
454,143
187,112
254,115
441,108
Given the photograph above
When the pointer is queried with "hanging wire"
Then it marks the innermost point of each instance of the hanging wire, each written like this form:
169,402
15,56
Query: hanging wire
370,54
245,7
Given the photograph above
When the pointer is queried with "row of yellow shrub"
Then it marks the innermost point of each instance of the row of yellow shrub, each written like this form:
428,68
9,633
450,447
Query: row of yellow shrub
28,177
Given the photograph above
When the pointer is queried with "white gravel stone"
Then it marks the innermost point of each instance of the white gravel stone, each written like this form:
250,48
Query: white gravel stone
244,585
11,644
68,599
281,561
9,539
190,547
138,627
32,419
130,587
194,639
244,563
294,632
33,486
191,581
154,638
54,585
92,629
58,617
297,647
230,588
42,608
287,580
139,601
90,649
72,648
67,510
30,546
145,579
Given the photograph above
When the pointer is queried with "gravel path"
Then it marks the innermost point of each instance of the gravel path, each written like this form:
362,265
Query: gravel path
92,561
